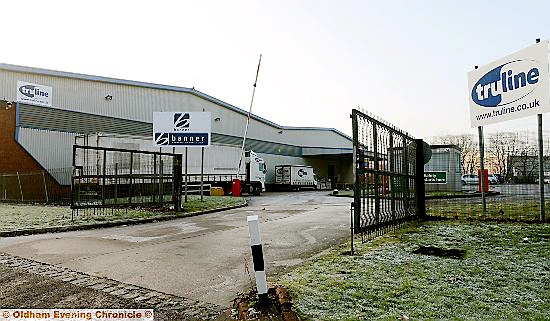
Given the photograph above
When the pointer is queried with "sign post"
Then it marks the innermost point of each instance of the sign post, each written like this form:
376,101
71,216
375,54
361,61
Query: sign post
541,164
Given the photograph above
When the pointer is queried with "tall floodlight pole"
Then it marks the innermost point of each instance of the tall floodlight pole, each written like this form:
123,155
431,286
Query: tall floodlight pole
248,118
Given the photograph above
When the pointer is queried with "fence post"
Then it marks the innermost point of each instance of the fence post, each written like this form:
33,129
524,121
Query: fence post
161,180
45,187
420,188
131,187
73,187
186,178
20,188
116,183
103,177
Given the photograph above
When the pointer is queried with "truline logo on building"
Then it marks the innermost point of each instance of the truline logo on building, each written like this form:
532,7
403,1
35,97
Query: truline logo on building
506,83
161,138
34,94
32,91
302,172
181,121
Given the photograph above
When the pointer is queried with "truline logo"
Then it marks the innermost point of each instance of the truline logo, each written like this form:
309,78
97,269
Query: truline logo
161,138
506,83
32,91
181,120
302,172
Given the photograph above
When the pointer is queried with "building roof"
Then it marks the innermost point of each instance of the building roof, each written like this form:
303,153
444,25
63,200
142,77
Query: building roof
192,91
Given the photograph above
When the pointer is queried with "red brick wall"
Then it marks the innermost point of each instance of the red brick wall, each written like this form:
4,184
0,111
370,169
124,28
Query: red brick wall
14,158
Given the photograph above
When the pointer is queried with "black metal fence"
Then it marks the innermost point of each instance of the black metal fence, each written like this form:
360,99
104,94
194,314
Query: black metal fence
107,177
388,175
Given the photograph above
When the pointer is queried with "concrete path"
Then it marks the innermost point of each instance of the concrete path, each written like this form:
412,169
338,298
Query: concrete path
205,258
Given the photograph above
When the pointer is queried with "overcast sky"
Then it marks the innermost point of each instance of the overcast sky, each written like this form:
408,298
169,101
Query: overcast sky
405,61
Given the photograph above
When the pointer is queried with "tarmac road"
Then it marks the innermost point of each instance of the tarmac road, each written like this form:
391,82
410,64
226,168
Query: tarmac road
205,258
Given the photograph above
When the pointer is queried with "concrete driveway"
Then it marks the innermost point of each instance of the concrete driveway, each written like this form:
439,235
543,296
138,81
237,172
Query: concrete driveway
205,258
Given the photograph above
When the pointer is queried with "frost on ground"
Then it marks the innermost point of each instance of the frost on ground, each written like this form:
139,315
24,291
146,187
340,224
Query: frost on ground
29,216
502,276
18,216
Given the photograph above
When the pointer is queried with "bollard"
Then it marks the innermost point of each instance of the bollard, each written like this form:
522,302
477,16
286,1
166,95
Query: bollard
257,257
236,187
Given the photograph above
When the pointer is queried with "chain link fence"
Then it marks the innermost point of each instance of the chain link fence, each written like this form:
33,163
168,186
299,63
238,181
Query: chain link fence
503,202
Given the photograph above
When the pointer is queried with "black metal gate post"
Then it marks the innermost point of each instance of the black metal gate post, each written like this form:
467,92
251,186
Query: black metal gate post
358,158
420,188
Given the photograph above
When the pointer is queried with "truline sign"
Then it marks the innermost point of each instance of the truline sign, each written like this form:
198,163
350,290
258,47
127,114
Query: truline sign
512,87
34,94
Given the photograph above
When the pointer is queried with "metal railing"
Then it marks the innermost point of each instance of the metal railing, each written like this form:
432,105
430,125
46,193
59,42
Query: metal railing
106,177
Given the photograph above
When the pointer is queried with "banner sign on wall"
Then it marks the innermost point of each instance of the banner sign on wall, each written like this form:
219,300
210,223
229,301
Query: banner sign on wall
182,129
34,94
513,87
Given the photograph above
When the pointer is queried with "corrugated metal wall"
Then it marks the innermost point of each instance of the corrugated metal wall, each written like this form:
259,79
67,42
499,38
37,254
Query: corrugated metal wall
137,103
80,107
52,150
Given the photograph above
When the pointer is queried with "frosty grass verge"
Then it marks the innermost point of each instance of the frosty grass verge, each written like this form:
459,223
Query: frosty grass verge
25,216
504,275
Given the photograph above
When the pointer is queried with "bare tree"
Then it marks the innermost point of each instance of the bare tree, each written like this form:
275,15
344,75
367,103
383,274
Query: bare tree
501,146
469,155
524,164
511,154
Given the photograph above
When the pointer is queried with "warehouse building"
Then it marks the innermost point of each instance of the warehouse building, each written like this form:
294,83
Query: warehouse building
43,113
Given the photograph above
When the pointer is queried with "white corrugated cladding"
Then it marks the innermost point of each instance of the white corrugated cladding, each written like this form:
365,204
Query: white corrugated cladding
79,106
49,150
137,101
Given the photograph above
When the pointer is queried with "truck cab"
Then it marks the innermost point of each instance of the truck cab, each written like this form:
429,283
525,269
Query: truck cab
255,172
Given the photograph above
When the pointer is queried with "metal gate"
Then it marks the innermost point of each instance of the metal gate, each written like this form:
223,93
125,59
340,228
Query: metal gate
389,181
110,177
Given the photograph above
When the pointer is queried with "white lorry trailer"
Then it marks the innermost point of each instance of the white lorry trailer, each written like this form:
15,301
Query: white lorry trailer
252,181
295,177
